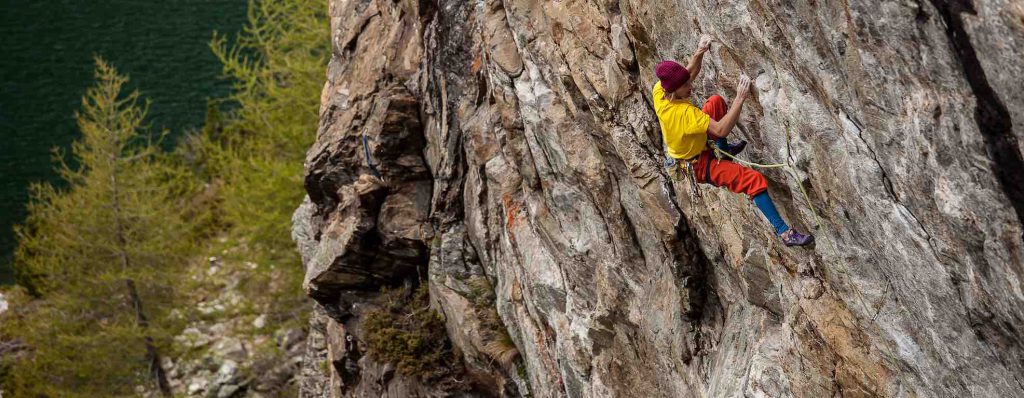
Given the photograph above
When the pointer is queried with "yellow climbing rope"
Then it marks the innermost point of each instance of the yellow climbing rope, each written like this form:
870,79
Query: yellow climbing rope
788,166
792,170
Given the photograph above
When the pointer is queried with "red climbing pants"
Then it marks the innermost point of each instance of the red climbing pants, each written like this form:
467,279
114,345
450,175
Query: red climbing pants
723,172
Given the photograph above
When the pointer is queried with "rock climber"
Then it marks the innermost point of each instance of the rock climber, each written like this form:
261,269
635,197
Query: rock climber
687,130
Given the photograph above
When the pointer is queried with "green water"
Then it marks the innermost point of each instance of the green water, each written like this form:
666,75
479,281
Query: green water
46,64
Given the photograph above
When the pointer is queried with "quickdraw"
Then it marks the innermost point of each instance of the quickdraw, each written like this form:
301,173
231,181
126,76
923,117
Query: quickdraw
369,160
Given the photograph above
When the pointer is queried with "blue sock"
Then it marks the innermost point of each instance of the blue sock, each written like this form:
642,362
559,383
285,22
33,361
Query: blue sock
764,202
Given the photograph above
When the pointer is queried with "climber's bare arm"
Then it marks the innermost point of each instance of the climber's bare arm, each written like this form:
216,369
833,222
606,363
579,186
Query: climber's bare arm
722,128
698,57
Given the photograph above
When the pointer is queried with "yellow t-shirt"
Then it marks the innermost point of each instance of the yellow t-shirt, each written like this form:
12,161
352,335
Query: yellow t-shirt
684,127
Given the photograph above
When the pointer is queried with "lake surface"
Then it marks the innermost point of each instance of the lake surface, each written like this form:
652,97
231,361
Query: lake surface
47,63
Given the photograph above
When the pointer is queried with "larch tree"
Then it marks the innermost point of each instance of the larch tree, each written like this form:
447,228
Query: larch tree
103,255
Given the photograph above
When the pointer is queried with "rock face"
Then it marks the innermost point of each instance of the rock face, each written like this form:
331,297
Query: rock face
510,147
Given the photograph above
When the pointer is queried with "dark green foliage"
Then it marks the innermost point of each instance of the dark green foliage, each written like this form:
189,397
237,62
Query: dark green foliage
134,213
406,332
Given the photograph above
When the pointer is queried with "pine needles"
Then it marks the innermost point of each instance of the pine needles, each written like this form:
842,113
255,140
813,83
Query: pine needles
103,262
102,254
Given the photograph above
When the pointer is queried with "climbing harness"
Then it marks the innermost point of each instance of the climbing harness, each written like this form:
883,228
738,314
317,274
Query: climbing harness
685,167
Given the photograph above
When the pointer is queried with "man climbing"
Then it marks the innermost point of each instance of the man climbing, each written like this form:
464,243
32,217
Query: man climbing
686,131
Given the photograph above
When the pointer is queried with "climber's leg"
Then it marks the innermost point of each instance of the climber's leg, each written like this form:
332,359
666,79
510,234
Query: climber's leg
716,108
740,179
789,236
737,178
767,207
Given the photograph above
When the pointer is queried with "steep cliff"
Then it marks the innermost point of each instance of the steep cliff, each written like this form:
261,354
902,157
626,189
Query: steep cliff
506,154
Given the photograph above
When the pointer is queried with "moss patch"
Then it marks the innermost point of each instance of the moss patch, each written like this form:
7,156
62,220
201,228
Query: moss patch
406,332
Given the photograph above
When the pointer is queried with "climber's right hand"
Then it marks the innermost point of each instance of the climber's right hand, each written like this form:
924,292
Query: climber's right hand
743,88
705,44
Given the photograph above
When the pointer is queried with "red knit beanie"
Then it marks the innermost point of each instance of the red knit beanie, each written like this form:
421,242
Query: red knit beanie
672,75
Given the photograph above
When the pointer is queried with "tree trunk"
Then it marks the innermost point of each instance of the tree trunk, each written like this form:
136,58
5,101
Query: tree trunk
156,369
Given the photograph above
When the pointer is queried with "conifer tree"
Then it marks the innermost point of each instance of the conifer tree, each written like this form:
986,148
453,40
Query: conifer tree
277,66
254,153
105,254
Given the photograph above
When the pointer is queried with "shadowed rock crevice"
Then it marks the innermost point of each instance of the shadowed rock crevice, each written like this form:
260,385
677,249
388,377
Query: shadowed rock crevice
990,112
996,127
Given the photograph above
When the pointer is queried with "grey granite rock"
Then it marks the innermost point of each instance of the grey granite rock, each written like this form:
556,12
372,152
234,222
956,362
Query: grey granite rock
515,142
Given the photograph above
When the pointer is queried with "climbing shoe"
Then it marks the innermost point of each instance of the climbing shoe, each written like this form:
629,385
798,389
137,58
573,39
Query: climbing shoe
794,238
735,149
